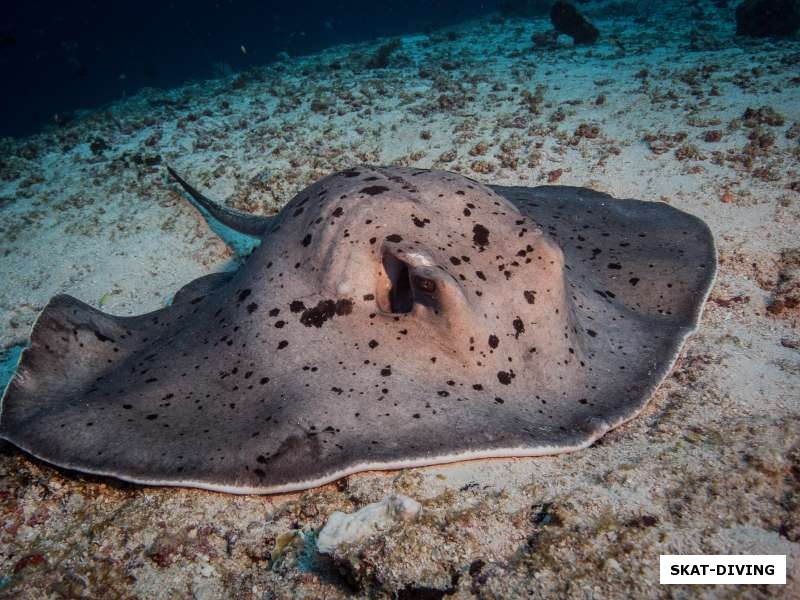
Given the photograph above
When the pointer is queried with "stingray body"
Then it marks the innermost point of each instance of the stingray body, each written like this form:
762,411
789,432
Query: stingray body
390,317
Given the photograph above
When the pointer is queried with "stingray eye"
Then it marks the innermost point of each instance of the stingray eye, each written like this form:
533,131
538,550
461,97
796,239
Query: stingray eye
424,284
408,279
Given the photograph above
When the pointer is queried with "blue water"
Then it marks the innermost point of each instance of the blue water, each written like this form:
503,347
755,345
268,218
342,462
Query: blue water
56,57
59,57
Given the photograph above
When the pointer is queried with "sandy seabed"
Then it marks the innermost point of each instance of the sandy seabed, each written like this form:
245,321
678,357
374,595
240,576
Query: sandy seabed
668,106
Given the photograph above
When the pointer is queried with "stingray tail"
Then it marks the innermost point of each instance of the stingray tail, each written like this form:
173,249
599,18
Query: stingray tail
237,220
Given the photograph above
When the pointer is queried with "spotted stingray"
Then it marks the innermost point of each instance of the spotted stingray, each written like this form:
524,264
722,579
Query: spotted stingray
389,318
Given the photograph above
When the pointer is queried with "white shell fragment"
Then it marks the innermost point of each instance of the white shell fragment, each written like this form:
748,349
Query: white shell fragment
342,528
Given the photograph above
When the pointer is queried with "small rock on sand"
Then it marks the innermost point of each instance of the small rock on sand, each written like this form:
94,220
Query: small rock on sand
342,528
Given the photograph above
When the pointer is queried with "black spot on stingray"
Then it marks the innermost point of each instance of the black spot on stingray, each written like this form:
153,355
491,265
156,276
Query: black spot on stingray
499,400
386,371
455,260
419,222
344,306
519,327
480,235
280,324
493,341
101,337
373,344
338,212
152,417
394,238
315,317
282,344
374,190
368,297
480,275
477,387
633,280
530,296
297,306
263,380
260,472
252,307
443,393
591,332
244,294
352,173
615,266
503,377
274,312
299,211
307,239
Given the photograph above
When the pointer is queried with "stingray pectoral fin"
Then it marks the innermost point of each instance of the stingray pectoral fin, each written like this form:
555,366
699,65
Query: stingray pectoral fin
71,348
237,220
649,256
196,290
